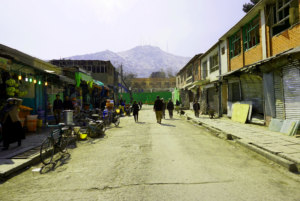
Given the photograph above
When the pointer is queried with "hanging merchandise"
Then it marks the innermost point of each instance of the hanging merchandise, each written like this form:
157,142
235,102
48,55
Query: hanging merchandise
46,83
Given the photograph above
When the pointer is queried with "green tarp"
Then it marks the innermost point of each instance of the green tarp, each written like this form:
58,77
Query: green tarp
176,95
81,76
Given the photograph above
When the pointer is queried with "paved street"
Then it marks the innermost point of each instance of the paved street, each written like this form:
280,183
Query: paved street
148,161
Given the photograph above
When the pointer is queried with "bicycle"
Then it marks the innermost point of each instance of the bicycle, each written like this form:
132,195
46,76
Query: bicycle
51,142
98,129
79,118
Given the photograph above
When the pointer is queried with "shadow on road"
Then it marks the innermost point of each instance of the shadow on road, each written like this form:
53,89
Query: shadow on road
140,122
57,164
167,125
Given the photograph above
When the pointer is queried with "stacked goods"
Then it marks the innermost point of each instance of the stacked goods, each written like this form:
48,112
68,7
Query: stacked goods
22,107
11,82
10,91
109,104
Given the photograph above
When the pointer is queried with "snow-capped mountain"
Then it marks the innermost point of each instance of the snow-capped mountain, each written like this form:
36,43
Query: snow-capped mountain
142,59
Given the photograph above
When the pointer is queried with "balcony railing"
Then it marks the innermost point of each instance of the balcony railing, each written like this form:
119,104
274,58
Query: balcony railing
189,80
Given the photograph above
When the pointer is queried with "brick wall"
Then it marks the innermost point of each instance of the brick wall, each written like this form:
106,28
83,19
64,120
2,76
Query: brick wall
286,40
254,54
236,62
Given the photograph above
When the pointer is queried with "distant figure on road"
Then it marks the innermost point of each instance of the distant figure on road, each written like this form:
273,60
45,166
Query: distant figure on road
177,106
196,108
158,105
170,108
140,104
135,108
57,107
164,109
67,104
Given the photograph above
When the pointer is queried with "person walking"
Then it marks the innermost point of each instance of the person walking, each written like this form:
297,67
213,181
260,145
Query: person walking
170,108
196,108
157,108
140,104
57,107
177,106
135,108
164,109
67,104
12,130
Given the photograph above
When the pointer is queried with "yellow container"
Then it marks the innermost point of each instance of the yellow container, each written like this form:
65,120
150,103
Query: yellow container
39,123
82,136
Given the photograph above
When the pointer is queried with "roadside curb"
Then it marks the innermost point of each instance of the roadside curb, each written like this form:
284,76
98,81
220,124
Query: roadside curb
31,161
280,159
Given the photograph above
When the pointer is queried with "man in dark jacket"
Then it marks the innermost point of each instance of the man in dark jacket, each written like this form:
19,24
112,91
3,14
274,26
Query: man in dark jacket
177,106
196,108
67,105
158,106
57,107
170,108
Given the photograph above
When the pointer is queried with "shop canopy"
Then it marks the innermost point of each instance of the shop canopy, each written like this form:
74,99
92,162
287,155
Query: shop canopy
98,83
81,76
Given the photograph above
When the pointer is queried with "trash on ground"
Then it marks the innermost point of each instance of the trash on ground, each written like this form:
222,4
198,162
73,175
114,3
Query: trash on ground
36,170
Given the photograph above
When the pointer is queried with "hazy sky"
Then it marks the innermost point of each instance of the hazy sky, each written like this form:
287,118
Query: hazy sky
50,29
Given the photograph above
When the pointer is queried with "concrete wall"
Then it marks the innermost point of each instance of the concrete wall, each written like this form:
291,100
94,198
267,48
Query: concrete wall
224,61
185,99
212,76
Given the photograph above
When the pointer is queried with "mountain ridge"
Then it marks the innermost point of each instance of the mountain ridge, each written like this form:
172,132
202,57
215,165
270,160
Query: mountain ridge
142,60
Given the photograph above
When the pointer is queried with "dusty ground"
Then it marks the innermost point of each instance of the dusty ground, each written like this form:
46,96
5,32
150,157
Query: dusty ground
147,161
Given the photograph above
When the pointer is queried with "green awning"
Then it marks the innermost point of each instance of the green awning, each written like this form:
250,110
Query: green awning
81,76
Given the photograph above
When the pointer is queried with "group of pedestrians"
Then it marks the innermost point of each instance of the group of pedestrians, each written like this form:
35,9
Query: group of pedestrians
160,109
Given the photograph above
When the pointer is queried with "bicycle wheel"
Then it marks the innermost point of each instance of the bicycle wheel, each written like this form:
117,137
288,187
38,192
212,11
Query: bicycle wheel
117,122
47,151
102,128
64,141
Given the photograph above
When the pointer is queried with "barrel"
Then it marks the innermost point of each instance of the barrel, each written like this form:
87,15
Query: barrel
68,117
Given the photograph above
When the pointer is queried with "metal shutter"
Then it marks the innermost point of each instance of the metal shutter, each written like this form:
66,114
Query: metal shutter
279,102
291,88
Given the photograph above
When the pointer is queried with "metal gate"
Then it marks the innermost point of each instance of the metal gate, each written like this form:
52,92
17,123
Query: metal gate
213,99
279,101
291,88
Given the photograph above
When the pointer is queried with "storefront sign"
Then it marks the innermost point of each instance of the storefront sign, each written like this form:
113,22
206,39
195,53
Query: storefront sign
5,63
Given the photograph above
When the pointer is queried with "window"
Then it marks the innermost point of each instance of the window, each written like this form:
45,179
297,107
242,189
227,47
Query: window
84,67
223,50
204,70
196,68
90,62
89,68
102,69
105,68
282,19
251,34
173,83
235,44
94,69
214,63
98,69
189,71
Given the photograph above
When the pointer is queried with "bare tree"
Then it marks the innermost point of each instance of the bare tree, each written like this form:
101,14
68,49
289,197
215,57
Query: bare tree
127,79
169,72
